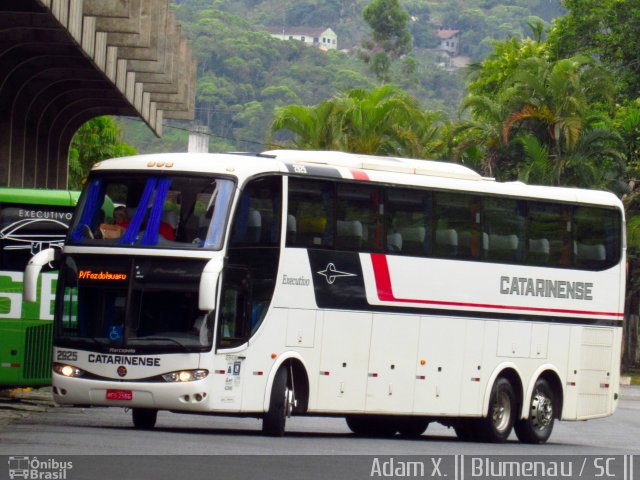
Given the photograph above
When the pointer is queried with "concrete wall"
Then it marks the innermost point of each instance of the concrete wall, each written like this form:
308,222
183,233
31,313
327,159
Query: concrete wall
63,62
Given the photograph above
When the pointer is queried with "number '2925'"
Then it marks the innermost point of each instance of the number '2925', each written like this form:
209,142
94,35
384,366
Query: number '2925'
67,356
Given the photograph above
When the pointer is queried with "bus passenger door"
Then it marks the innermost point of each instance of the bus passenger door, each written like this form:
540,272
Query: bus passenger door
392,360
233,331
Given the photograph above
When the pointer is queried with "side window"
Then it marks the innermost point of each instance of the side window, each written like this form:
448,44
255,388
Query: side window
408,221
457,228
503,229
257,218
596,237
359,218
549,234
310,215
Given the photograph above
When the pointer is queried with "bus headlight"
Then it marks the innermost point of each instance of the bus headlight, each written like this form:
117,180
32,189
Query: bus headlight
185,376
67,370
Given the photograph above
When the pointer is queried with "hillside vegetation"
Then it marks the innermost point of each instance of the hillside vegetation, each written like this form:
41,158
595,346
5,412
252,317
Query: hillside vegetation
244,74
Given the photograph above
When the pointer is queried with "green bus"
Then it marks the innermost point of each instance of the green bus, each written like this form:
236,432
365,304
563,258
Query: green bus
30,220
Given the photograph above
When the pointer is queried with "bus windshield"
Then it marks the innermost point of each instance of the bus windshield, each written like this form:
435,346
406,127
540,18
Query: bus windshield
142,303
158,211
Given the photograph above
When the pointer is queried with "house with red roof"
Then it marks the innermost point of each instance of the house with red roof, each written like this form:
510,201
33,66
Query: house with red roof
449,41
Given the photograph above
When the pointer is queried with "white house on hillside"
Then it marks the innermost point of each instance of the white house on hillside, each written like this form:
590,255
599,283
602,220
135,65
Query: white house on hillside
323,38
449,41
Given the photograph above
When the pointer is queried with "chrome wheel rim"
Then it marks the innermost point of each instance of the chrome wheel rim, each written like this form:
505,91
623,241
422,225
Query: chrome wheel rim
289,402
541,411
501,412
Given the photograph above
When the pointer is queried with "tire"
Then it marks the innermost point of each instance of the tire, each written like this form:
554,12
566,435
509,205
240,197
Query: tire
466,429
372,425
144,418
412,426
497,425
538,426
280,405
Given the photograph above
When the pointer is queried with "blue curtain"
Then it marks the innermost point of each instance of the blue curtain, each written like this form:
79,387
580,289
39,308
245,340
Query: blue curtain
94,200
150,236
130,235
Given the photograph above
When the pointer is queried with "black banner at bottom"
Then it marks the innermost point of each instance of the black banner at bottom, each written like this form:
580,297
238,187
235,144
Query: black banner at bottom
338,467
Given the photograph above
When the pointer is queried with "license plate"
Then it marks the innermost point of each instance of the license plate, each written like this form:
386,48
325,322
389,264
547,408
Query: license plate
119,395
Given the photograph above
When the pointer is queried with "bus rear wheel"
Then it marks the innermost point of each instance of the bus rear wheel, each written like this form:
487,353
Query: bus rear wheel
144,418
538,426
280,406
497,425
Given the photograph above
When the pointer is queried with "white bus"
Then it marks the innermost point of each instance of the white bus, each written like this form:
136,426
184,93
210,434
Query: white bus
392,292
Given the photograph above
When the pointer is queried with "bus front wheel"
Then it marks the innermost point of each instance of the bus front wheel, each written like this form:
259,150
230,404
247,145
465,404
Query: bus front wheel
538,426
372,425
280,406
412,426
497,425
144,418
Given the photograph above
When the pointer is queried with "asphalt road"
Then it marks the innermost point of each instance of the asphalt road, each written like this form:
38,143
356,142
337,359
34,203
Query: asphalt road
238,448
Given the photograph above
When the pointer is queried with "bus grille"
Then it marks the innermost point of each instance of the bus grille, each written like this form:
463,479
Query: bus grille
38,347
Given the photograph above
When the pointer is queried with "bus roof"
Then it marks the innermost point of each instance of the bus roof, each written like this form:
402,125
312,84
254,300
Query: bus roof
410,172
39,196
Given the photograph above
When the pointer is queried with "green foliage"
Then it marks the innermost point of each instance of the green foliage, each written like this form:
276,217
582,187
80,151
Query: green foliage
381,121
98,139
391,37
239,64
389,24
488,77
482,22
608,29
542,121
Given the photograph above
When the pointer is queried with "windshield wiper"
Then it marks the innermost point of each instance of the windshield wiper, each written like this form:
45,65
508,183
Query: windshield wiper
172,340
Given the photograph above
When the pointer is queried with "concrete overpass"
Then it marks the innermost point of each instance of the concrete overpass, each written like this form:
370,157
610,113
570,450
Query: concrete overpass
63,62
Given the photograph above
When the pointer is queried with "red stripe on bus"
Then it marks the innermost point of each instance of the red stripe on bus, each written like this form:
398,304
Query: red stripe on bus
358,174
385,294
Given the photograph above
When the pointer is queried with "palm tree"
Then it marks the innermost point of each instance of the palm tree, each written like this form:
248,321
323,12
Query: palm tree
555,98
594,161
482,133
313,127
382,121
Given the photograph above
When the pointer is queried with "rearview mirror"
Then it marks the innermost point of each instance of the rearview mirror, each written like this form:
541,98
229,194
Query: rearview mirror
31,273
209,284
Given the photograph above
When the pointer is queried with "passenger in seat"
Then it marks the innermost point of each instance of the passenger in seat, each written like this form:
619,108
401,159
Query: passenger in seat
121,218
